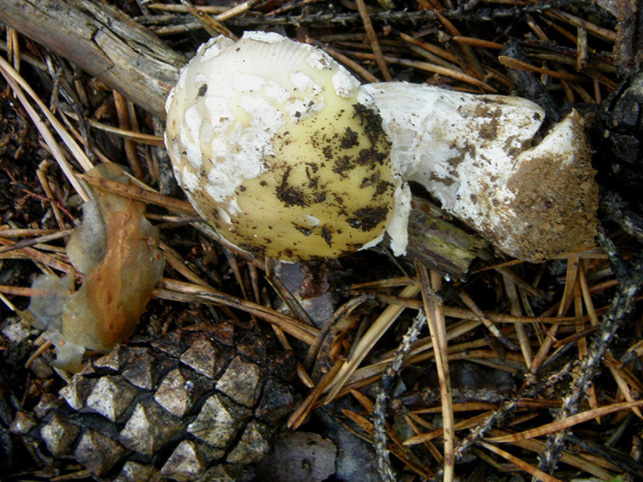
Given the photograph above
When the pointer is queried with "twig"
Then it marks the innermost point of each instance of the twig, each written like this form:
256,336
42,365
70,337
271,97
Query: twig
102,41
383,394
212,26
618,210
372,38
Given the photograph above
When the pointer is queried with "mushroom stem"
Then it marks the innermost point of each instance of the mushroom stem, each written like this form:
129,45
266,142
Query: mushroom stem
479,156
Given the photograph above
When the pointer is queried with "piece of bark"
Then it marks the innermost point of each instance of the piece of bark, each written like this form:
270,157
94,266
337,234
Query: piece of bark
102,41
440,245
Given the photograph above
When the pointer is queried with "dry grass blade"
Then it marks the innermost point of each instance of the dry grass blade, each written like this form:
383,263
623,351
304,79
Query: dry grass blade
138,137
569,422
597,469
146,195
420,352
34,241
436,69
462,425
448,59
181,291
127,119
44,182
351,64
398,452
6,232
572,271
604,33
167,7
474,66
433,308
174,259
20,291
365,344
621,376
14,78
539,474
493,329
519,65
299,415
516,310
212,26
46,259
476,42
17,83
463,314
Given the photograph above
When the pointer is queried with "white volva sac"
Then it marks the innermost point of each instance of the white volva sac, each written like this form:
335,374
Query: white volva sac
285,154
478,155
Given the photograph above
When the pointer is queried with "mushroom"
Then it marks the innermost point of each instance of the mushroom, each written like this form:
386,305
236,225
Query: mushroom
286,155
277,147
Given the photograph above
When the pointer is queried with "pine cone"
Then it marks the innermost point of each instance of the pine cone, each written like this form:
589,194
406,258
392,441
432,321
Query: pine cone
619,139
193,405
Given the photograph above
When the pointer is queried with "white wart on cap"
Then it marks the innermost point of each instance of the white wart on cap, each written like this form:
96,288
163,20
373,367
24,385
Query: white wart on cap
278,149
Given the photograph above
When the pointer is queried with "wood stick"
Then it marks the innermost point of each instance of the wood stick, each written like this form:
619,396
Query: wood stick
102,41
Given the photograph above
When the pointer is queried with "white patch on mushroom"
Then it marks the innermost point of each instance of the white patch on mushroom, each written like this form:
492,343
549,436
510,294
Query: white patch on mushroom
365,99
304,83
267,37
224,216
200,79
344,83
213,47
302,109
193,122
320,60
310,221
244,82
169,100
220,115
264,115
182,76
191,147
190,180
241,154
373,242
276,92
176,150
216,79
397,226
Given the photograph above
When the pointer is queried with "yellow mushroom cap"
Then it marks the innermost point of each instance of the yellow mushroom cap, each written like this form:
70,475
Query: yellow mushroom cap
277,147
